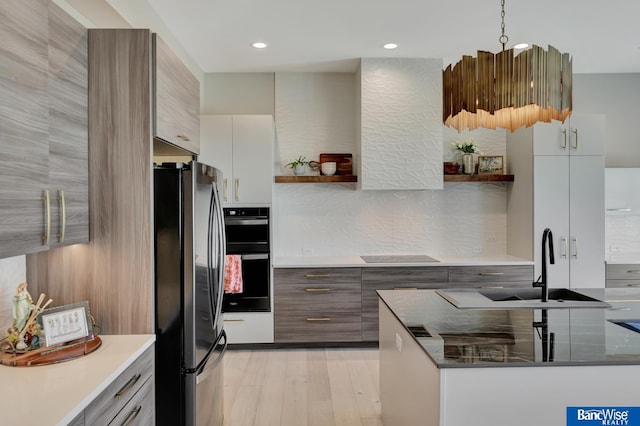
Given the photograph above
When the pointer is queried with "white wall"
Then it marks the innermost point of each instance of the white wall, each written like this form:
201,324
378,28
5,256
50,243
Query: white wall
317,113
617,96
238,93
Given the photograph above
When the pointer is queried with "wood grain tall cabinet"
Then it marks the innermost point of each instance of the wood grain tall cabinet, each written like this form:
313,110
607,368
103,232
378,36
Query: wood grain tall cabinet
43,128
114,272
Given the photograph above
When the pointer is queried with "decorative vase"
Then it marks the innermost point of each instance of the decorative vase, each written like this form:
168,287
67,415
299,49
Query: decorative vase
300,169
467,163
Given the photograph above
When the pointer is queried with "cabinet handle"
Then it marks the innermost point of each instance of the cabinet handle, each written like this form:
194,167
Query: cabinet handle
491,274
633,285
234,320
47,217
633,271
619,309
575,132
63,216
316,276
224,189
127,387
619,210
491,286
405,288
564,139
563,247
317,290
574,247
319,319
184,138
132,416
237,189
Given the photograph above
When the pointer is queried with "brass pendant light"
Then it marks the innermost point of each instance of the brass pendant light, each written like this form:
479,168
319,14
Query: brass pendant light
505,91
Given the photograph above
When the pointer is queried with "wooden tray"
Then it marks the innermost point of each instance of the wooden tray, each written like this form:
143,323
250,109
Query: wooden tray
344,163
50,355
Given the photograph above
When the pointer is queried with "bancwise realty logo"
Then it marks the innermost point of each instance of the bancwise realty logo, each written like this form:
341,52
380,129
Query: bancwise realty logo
588,416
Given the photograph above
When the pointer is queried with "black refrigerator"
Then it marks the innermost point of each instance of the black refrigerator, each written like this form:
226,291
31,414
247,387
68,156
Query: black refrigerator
189,277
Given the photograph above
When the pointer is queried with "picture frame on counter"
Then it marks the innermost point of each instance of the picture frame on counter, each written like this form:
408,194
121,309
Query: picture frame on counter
490,164
65,324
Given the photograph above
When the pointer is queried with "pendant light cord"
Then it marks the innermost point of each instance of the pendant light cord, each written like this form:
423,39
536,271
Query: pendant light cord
503,38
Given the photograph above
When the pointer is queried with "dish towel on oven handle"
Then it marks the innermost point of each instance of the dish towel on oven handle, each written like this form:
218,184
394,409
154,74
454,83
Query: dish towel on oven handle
233,274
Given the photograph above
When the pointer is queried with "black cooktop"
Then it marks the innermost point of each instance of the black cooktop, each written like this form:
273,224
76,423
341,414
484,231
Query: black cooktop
400,258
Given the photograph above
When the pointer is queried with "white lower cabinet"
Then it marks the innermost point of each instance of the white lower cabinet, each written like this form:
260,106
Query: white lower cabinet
249,327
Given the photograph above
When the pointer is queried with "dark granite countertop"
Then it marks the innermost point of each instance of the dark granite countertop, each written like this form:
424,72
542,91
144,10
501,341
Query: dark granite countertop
521,337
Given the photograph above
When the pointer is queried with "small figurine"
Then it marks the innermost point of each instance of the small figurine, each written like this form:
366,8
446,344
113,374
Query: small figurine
22,303
25,330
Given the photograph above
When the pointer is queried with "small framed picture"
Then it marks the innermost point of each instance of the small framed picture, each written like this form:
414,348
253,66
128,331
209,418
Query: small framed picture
490,165
68,323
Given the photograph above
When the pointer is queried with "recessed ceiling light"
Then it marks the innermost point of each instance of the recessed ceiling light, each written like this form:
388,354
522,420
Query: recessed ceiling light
390,46
521,46
259,45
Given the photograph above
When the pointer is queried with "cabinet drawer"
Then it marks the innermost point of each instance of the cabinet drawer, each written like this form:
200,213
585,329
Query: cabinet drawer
478,276
317,276
249,327
623,272
426,277
110,402
331,297
623,283
140,410
317,326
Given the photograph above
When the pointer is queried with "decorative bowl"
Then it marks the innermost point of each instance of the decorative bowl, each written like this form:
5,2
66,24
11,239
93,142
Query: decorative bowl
451,168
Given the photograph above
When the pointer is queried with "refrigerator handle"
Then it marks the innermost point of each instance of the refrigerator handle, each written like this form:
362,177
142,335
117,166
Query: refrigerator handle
211,365
222,254
211,231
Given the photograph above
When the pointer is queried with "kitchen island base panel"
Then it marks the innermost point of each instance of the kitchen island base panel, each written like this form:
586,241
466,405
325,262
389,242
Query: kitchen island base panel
414,391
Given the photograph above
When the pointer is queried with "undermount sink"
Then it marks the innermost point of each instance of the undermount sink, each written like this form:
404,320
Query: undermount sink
518,298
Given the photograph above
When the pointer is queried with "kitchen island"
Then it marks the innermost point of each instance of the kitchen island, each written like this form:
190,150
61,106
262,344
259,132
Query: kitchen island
440,365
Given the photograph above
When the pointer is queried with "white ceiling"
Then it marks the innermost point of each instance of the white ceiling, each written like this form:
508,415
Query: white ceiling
329,35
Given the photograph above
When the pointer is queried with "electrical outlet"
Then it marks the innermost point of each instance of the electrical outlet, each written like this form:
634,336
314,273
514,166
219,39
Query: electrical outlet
491,237
398,342
307,251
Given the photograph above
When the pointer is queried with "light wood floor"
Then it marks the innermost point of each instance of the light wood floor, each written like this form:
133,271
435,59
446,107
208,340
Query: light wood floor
299,387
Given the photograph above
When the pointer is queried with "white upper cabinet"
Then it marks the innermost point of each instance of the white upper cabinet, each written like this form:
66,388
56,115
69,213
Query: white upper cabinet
241,146
401,123
581,134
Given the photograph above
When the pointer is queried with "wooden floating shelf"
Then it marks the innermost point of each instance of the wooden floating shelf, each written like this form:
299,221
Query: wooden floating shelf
316,179
478,178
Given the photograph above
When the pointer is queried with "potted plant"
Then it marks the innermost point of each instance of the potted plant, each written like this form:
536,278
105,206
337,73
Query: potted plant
299,166
468,148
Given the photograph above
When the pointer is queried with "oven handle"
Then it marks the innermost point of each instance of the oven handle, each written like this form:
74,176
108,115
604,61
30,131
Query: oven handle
246,221
254,256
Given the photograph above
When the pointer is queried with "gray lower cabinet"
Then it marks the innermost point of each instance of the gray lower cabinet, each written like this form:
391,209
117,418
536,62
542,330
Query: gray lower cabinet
394,278
491,276
129,399
317,305
623,275
341,304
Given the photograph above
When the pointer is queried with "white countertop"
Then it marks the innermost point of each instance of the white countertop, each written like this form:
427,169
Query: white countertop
55,394
356,261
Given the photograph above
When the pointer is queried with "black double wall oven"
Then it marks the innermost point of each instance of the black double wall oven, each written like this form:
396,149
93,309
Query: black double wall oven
247,231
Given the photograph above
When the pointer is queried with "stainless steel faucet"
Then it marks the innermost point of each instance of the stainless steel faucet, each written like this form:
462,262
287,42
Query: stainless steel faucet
547,235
